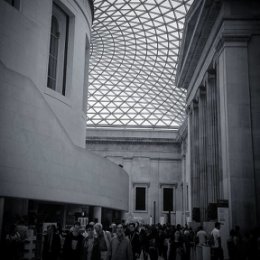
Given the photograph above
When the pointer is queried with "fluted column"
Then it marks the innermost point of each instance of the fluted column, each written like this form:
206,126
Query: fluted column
238,162
213,159
194,154
184,185
202,152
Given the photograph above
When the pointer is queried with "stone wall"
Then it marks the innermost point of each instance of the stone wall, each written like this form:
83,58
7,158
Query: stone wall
218,67
152,159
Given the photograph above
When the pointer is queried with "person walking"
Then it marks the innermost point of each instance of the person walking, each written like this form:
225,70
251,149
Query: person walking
133,237
176,249
102,238
90,250
51,244
72,248
120,248
216,248
13,249
153,243
201,237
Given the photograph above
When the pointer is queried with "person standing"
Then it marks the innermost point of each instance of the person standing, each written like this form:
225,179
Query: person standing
153,243
72,248
120,248
102,240
133,237
144,243
13,249
216,248
90,252
176,250
51,244
201,237
113,230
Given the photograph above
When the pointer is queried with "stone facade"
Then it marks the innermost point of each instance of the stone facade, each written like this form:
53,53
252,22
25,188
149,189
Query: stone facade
218,64
152,160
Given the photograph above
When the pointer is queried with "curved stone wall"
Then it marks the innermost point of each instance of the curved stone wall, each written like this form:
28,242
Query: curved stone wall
42,154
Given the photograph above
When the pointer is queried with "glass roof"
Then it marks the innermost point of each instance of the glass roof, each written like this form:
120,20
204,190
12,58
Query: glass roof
134,54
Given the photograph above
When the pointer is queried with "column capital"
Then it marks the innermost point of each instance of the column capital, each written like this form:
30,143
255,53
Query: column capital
194,104
201,91
188,110
211,72
209,75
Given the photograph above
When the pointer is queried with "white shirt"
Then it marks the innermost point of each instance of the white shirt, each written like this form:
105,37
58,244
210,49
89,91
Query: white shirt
202,236
216,234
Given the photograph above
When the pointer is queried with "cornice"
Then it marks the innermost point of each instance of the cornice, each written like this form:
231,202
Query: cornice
194,40
135,141
233,27
174,184
141,184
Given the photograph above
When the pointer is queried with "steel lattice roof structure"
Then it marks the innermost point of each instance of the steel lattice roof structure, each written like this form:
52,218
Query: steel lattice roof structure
134,54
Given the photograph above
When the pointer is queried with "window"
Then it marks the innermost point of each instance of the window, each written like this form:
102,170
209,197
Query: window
53,55
85,87
58,50
167,199
14,3
140,198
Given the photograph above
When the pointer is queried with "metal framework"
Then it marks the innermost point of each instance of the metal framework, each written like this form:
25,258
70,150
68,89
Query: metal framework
134,54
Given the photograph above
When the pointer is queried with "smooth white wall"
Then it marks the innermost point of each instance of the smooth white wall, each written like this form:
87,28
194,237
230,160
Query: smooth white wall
25,38
41,136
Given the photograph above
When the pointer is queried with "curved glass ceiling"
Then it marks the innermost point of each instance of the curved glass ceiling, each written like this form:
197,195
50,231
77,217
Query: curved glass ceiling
134,54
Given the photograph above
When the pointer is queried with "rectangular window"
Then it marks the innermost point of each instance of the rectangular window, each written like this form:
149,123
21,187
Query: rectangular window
58,50
85,87
167,199
14,3
140,198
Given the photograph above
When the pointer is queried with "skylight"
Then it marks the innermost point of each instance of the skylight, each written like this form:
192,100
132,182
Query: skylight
134,54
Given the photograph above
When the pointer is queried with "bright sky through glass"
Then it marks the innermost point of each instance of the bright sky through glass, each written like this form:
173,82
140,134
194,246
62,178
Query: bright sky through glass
134,54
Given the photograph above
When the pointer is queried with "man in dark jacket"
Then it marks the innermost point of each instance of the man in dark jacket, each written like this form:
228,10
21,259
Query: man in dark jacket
133,237
73,244
51,244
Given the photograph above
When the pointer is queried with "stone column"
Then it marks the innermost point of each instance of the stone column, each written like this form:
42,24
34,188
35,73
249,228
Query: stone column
97,213
184,192
194,140
236,132
183,185
203,187
213,158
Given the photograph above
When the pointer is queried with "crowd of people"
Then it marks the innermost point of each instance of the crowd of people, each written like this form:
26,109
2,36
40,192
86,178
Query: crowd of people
146,242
